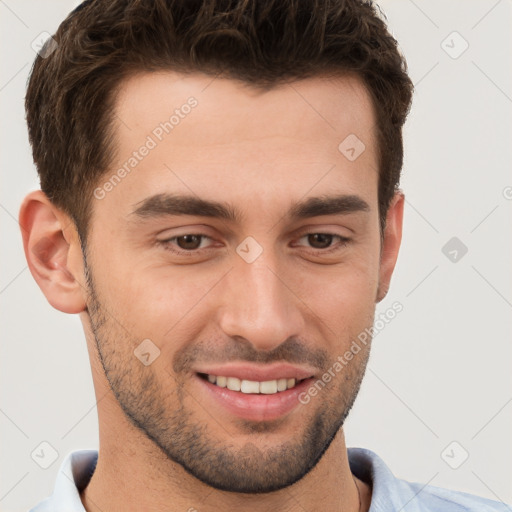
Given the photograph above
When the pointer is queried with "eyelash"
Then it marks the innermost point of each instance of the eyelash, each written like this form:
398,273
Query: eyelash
166,244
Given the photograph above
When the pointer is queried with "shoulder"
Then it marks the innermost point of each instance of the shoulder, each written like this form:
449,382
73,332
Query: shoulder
430,498
391,493
47,505
72,477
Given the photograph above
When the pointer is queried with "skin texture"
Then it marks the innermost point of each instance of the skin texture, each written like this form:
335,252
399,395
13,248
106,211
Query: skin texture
296,302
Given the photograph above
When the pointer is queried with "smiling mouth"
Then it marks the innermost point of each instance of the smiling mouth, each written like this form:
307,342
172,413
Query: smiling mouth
268,387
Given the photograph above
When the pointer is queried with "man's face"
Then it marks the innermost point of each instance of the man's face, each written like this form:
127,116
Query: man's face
288,300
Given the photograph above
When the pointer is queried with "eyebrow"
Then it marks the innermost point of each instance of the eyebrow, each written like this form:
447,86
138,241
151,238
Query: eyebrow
161,205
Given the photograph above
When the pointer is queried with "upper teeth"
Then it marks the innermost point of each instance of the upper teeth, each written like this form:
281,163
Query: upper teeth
267,387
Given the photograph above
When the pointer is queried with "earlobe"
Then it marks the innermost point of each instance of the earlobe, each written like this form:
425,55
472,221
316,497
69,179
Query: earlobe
53,253
390,243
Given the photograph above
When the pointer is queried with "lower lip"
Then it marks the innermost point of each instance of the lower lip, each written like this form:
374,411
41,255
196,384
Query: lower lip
257,407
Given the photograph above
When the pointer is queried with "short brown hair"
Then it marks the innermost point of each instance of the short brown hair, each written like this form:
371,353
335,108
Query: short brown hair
71,93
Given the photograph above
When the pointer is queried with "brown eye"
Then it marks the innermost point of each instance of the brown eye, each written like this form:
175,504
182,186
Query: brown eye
324,242
189,242
320,240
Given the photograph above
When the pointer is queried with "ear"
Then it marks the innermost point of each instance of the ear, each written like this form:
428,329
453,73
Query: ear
391,243
53,253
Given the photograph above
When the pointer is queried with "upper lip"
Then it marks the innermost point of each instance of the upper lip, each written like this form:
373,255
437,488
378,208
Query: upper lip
261,373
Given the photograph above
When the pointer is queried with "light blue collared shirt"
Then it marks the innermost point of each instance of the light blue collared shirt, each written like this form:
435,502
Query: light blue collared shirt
389,494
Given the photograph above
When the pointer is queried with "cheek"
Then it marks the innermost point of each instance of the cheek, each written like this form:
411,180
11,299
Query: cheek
352,283
343,297
158,301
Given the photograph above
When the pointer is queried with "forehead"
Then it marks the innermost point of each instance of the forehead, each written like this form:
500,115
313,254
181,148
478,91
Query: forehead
340,103
221,137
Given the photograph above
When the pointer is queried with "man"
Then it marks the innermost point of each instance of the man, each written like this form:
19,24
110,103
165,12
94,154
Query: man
220,205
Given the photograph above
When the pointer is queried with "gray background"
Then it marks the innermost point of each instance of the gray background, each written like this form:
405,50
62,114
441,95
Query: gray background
439,372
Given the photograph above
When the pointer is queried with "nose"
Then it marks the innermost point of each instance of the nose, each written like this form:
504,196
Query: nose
259,304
